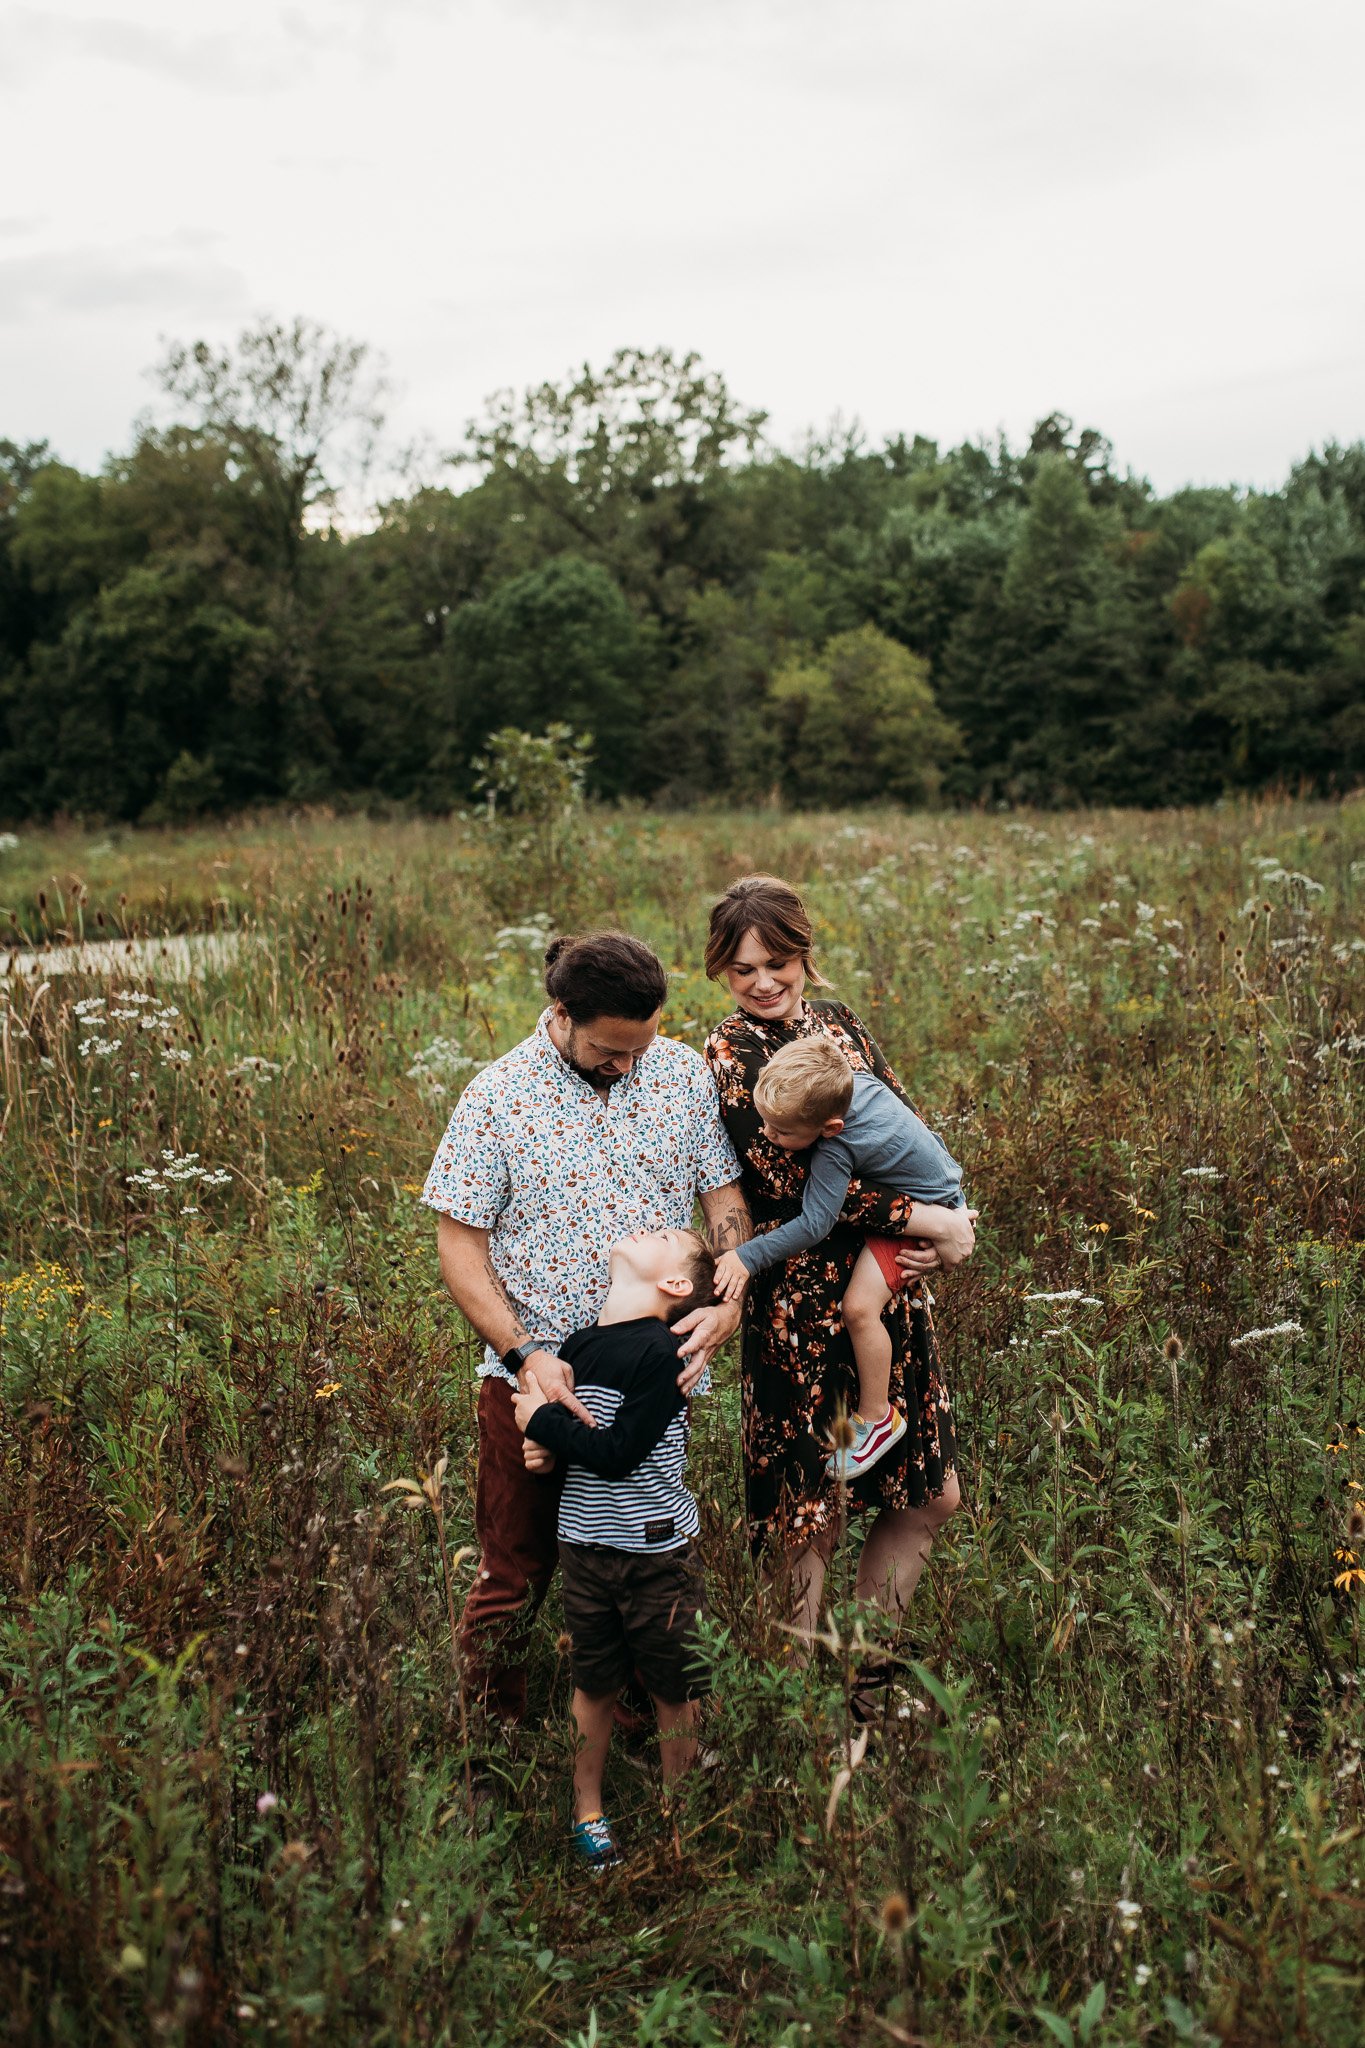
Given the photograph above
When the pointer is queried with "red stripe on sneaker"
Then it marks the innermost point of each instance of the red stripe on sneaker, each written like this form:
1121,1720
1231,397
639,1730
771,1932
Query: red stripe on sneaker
876,1440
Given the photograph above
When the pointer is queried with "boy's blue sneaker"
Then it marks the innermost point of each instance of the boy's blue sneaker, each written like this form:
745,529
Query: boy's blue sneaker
594,1844
871,1442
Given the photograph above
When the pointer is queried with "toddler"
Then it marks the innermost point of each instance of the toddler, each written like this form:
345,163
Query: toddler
808,1095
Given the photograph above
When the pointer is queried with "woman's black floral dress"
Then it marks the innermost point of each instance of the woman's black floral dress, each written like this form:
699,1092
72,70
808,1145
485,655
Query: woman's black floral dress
798,1362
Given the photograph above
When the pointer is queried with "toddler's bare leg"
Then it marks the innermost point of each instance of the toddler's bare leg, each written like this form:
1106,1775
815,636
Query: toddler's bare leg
867,1296
594,1718
677,1738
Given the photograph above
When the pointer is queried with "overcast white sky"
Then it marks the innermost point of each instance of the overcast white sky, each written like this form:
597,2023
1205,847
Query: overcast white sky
943,218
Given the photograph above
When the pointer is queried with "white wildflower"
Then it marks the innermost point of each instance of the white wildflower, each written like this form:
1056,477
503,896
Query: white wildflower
180,1169
1127,1912
1200,1173
1271,1331
435,1067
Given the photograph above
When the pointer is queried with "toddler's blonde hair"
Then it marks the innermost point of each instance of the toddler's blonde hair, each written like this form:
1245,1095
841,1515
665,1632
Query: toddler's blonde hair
804,1085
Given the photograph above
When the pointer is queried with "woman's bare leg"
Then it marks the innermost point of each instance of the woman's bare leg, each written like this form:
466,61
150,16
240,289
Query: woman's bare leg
866,1297
889,1566
796,1580
897,1548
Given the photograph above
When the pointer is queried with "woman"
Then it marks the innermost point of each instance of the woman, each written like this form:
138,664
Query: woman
798,1365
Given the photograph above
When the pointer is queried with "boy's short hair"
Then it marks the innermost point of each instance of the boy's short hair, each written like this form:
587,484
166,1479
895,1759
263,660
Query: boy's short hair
700,1269
804,1085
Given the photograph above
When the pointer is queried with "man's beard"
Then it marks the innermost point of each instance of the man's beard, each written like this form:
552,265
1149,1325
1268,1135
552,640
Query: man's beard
594,1076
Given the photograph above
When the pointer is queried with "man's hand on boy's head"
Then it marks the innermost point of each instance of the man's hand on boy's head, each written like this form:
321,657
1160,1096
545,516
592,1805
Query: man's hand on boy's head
704,1331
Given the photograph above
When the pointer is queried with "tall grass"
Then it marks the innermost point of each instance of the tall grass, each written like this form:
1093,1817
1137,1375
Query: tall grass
1119,1798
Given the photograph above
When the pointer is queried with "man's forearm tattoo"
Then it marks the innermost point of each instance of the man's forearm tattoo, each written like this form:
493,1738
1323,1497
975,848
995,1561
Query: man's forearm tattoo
730,1228
494,1279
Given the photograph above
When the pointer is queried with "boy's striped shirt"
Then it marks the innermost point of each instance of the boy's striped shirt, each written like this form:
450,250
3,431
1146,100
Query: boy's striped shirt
624,1488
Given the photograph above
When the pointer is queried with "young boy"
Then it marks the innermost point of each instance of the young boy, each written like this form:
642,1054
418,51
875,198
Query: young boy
808,1095
632,1582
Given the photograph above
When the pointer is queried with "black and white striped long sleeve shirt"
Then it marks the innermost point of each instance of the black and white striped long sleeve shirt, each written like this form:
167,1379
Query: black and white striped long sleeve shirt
624,1487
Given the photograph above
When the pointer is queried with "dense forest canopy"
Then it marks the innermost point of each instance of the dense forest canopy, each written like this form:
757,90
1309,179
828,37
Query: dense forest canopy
193,630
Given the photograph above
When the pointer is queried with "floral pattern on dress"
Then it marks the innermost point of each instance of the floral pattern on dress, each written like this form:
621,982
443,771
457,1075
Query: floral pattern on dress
556,1175
797,1362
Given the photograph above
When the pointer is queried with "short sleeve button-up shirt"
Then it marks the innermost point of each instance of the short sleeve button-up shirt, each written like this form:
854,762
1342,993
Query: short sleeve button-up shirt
556,1175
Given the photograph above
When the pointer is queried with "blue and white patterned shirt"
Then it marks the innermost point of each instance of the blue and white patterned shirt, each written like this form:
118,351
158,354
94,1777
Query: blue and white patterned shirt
555,1175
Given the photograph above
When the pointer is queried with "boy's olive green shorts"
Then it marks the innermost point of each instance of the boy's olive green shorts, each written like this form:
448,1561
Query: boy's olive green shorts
633,1611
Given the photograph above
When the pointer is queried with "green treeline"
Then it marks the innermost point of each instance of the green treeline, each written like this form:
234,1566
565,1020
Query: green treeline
192,630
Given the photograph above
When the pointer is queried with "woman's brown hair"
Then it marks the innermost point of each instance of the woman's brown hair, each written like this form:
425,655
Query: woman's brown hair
763,904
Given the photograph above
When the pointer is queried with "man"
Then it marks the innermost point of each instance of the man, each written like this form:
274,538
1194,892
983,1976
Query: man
591,1128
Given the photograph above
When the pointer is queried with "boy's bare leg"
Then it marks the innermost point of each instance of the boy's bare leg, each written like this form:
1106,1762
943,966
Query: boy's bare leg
594,1718
677,1738
864,1301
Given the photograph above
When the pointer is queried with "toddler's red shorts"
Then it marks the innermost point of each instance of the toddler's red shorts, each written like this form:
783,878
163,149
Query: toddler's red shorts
884,1250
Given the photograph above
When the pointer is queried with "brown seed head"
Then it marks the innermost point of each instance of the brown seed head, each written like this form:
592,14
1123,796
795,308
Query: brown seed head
1355,1522
895,1913
842,1433
1174,1350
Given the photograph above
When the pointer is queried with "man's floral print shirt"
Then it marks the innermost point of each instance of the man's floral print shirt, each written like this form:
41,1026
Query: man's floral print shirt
555,1175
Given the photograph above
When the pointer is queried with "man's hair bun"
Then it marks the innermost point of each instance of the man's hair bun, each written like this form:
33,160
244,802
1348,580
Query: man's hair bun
605,974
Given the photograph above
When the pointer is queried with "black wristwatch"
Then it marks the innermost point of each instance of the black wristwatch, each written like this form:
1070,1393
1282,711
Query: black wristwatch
517,1357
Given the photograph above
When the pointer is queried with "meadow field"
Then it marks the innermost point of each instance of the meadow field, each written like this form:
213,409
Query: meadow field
1121,1800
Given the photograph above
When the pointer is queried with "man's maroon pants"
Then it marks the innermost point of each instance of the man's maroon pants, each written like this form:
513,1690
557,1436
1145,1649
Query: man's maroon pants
515,1518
